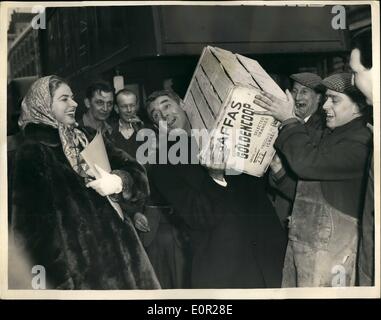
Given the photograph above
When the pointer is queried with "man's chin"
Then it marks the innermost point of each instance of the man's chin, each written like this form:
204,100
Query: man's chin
299,115
330,125
125,120
128,117
103,118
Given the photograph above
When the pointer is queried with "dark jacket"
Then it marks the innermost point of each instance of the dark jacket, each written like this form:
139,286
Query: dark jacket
339,160
165,243
366,246
236,238
131,145
283,183
71,230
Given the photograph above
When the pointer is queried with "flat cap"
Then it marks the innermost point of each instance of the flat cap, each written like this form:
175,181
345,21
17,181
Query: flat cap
342,82
308,79
339,82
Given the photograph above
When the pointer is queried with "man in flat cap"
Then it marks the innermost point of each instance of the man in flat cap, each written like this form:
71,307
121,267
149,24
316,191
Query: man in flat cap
323,229
307,93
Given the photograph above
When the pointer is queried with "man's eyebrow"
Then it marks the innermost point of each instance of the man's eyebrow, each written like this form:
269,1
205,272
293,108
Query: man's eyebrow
64,95
330,95
163,101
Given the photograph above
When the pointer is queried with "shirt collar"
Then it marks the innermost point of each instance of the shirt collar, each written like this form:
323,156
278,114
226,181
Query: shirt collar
126,129
307,118
124,125
104,127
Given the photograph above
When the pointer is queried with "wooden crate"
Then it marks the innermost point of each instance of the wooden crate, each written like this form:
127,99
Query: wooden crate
217,72
221,81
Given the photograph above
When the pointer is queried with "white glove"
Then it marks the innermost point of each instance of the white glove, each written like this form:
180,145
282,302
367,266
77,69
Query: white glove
276,164
107,183
214,157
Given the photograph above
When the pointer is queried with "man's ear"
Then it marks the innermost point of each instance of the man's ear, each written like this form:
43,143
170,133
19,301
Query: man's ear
116,108
319,97
356,109
87,103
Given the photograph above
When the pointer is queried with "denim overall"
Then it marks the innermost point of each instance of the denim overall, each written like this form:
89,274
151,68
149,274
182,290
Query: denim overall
322,244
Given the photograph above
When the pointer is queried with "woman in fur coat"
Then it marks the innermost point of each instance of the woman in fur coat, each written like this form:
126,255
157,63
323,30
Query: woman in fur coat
61,218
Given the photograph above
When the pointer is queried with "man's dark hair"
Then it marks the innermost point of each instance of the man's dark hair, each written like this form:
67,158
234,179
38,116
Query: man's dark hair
357,97
363,42
156,94
97,87
126,92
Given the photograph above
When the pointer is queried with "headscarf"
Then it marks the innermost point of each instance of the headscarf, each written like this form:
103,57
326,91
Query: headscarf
36,108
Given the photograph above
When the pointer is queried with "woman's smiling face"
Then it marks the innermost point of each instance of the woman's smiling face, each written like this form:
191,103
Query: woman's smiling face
63,105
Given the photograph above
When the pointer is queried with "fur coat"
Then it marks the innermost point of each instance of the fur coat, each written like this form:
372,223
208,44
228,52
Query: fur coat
71,230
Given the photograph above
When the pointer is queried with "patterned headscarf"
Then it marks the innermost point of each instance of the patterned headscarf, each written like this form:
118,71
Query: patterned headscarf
36,108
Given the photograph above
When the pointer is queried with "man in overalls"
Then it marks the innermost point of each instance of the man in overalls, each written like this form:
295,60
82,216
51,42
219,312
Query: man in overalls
323,230
306,92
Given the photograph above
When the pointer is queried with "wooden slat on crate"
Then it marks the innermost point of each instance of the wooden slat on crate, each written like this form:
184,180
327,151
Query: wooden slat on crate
206,87
202,106
193,114
233,67
188,93
216,74
261,77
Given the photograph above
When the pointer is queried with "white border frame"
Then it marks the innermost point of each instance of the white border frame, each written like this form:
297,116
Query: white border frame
306,293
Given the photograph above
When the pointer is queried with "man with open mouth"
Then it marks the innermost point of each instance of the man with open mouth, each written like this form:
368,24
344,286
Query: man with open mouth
307,93
323,229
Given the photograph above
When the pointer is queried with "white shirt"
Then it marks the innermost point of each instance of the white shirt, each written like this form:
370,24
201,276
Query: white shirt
126,129
222,182
307,118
